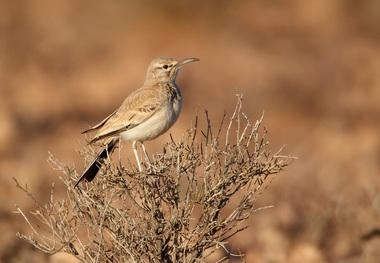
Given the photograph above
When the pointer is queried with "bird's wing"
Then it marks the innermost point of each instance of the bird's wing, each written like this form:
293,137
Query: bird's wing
100,124
137,108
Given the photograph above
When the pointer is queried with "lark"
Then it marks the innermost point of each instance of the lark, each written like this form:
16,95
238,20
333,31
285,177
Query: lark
144,115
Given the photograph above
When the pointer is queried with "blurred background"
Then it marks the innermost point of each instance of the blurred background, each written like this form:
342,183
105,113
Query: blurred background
312,66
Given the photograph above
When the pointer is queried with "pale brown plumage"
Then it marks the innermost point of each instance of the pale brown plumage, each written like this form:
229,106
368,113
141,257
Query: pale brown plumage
136,108
144,115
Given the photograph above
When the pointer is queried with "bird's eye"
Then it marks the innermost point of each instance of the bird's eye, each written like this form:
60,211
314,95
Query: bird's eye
165,66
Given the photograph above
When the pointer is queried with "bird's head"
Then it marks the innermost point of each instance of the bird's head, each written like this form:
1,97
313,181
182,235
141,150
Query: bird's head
164,69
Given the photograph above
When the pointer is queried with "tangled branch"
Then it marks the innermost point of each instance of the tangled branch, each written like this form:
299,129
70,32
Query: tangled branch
176,213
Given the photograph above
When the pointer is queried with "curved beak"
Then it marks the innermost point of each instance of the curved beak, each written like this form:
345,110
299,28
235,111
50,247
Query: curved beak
186,60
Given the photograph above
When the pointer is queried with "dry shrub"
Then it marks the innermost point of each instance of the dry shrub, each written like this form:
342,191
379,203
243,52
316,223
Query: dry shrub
174,213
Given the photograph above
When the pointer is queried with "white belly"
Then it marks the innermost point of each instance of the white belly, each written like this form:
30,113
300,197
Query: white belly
156,125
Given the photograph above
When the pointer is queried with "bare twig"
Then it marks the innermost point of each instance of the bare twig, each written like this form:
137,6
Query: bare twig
173,215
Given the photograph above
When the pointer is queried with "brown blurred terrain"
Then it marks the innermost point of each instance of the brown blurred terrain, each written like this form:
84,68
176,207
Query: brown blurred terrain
312,66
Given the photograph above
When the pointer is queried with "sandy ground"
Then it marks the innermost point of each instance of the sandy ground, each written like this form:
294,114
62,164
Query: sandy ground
312,66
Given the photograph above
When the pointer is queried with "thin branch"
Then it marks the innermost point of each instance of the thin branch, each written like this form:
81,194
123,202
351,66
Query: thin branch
171,215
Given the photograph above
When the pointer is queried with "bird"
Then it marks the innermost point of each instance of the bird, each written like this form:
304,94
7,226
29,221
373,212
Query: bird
145,114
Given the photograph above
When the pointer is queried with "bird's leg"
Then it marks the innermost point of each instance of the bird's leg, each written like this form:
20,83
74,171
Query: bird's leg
134,146
146,154
151,167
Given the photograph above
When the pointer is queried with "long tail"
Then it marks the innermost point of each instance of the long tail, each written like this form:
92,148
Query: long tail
94,167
